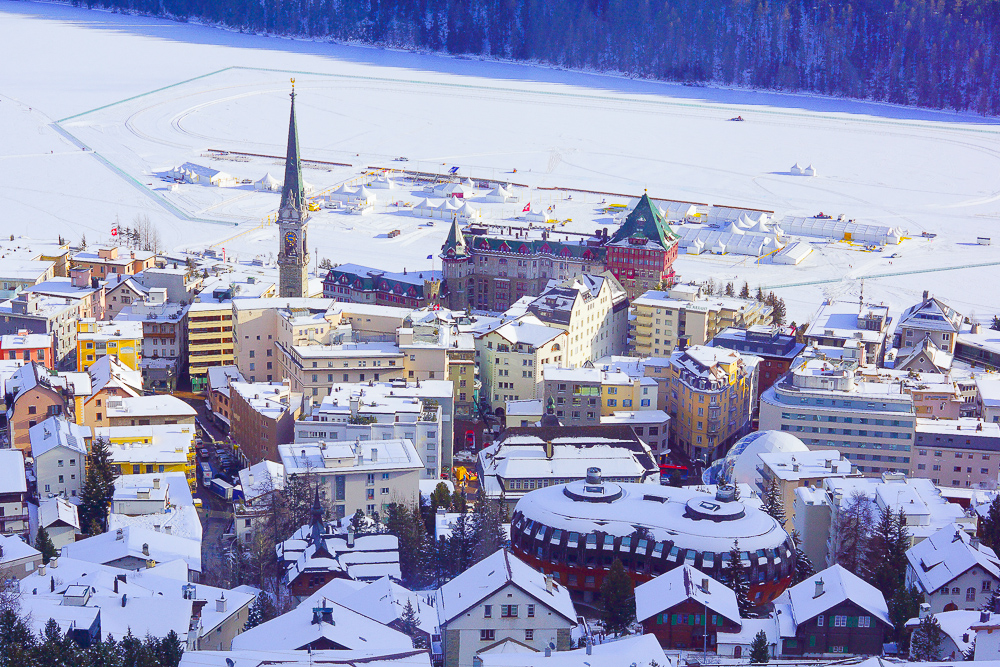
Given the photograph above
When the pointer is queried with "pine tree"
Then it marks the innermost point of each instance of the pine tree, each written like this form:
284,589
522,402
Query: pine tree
773,504
730,289
98,485
83,241
989,525
410,625
745,291
970,652
261,611
44,544
760,652
487,527
925,643
760,294
617,599
737,581
903,606
992,603
885,552
996,323
850,530
804,567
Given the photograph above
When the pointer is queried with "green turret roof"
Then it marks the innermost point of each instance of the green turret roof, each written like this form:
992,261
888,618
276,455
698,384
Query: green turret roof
646,221
455,241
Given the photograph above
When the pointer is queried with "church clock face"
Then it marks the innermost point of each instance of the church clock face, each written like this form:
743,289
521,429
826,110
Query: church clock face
290,239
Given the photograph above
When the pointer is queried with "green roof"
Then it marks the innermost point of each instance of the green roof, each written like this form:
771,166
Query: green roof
646,221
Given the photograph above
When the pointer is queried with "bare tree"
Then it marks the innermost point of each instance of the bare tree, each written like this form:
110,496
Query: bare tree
148,234
850,531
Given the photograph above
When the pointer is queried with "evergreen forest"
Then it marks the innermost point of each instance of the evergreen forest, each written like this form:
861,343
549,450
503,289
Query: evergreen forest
930,53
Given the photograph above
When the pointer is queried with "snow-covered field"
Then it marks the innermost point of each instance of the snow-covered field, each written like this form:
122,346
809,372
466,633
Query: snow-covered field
144,95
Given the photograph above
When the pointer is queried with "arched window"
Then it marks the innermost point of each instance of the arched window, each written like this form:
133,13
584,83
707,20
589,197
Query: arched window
970,594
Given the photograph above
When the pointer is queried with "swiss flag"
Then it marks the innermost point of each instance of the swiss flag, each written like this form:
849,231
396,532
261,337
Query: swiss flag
114,231
527,207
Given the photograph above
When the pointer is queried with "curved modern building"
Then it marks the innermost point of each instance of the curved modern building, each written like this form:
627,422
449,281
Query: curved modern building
575,531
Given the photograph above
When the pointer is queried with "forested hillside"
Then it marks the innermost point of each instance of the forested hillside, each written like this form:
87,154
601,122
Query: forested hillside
918,52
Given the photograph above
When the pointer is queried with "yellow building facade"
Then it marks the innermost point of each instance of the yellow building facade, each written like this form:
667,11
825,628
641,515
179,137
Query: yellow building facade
152,449
95,339
711,399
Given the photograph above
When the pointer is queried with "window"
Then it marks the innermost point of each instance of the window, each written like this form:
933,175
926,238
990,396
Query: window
487,611
864,621
820,620
487,635
840,621
970,594
531,607
529,635
508,611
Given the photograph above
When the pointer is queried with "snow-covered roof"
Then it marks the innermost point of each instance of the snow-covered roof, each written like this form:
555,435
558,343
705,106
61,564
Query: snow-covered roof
931,314
12,479
641,651
680,584
293,658
382,600
529,331
838,585
55,510
106,370
344,627
957,625
749,627
13,548
137,542
492,574
157,405
57,431
947,554
665,513
262,478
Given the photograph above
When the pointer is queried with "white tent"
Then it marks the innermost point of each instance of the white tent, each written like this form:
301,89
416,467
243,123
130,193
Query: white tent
383,182
696,247
467,212
537,216
733,228
453,190
267,183
343,193
497,194
468,183
796,169
427,209
364,197
221,179
809,171
719,248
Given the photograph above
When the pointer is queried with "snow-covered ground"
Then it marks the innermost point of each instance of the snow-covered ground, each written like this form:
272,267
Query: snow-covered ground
134,97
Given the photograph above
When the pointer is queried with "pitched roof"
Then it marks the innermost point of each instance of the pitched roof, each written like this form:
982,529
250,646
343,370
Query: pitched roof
108,547
838,585
680,584
454,245
946,555
57,431
12,478
646,221
491,575
931,314
54,510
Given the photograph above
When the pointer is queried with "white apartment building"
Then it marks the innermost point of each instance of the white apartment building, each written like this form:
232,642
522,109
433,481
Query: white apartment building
870,419
511,359
59,452
953,570
592,310
662,319
354,475
838,322
398,411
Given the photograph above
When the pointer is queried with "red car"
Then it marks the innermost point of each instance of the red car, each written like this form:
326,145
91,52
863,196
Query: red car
470,440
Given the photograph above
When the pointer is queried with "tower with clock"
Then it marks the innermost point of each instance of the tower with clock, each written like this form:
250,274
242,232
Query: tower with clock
293,216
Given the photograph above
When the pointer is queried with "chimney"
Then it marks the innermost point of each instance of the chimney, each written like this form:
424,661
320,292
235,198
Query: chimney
156,482
704,584
116,586
548,652
549,584
221,604
350,537
124,599
974,542
119,534
590,647
925,610
41,570
819,588
168,530
374,455
549,449
54,563
795,467
828,464
926,295
145,548
984,616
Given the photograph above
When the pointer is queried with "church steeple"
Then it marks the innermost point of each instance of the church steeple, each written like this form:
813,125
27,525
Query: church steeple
293,192
293,251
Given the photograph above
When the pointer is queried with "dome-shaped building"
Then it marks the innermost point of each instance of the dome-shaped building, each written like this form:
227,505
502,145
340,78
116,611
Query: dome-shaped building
741,465
575,531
